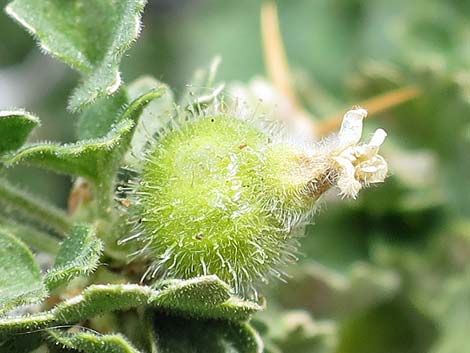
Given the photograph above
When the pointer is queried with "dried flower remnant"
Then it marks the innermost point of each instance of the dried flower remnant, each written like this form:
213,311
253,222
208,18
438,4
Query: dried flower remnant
358,165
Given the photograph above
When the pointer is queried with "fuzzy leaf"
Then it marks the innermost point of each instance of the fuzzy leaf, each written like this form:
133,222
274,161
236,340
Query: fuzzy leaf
15,127
154,117
181,335
33,208
98,119
208,298
35,239
92,343
90,37
20,278
21,344
78,255
93,159
79,159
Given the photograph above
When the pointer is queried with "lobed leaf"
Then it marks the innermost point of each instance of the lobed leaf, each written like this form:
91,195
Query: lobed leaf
91,37
33,208
209,298
15,127
37,240
98,120
20,278
154,117
79,255
79,159
180,335
24,343
92,343
94,159
206,297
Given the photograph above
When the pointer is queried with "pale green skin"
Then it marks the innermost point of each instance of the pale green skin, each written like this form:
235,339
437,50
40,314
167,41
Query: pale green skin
219,197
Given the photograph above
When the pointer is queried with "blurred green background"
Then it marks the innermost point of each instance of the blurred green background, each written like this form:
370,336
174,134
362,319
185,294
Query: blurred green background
387,273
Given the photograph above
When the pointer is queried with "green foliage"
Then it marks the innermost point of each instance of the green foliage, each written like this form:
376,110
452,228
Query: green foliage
22,344
36,239
97,120
386,273
92,343
86,158
340,294
154,118
95,159
32,208
204,336
15,127
295,331
206,302
454,315
204,297
90,38
20,281
79,254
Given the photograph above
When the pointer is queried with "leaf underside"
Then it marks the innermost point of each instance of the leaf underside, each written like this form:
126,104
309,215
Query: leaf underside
15,126
20,278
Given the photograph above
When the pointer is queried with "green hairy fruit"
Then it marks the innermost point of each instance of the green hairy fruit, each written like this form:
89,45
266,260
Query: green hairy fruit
222,195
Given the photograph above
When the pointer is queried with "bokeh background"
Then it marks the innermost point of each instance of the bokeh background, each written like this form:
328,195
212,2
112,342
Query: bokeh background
387,273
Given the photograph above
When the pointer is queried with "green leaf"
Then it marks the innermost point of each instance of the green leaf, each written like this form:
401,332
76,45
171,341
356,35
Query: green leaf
391,327
295,331
90,37
454,316
327,292
20,278
92,343
98,119
80,159
79,255
15,127
21,344
154,117
94,159
33,208
208,298
34,238
181,335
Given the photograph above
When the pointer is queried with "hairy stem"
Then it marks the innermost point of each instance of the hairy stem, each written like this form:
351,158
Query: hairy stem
36,239
33,208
